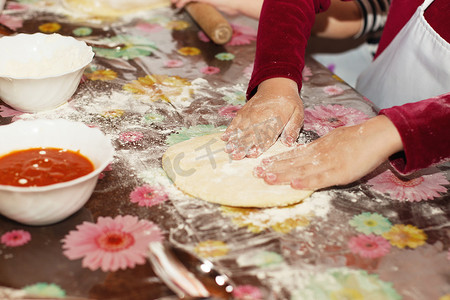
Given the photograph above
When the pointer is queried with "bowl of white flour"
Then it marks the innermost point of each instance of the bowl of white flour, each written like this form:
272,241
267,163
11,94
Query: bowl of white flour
39,71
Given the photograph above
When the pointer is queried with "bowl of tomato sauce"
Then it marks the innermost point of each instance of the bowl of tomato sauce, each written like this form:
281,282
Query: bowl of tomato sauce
49,168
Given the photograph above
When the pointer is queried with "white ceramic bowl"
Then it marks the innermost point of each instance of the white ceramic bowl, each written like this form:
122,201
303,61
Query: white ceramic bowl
52,203
39,71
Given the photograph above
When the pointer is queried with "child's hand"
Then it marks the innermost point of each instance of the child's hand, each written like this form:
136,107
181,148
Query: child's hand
342,156
276,109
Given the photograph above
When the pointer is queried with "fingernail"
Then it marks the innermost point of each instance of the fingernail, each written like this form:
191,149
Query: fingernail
270,177
254,152
296,184
237,155
225,137
290,141
259,172
266,161
229,147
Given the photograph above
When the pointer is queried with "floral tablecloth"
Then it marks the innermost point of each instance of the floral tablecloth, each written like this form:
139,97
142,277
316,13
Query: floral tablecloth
383,237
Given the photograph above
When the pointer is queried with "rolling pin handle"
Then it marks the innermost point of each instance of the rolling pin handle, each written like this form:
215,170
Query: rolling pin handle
211,21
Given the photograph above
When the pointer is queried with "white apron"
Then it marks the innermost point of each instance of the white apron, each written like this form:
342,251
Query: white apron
413,67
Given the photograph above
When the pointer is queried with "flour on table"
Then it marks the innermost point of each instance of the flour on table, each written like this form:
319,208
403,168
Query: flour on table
157,177
113,8
201,168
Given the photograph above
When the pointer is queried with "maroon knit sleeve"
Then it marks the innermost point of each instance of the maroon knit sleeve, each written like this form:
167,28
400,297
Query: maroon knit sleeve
283,31
424,128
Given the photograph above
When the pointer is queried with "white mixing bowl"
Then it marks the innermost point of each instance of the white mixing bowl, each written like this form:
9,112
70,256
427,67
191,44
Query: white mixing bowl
39,71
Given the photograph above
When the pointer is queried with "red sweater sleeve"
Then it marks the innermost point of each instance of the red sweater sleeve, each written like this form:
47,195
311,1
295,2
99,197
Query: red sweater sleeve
424,127
283,31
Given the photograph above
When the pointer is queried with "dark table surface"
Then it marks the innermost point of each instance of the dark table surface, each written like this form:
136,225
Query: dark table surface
384,237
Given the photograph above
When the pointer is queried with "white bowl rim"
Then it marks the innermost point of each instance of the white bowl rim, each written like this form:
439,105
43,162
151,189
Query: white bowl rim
89,57
55,186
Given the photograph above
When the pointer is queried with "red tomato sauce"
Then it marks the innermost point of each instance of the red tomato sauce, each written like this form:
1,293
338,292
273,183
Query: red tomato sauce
42,166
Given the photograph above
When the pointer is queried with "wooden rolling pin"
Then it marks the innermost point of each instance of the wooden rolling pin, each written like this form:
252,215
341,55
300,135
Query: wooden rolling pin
210,21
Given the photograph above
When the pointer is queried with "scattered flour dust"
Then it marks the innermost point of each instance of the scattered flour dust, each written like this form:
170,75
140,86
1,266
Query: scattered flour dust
179,96
62,7
237,87
97,103
158,177
317,206
114,101
196,86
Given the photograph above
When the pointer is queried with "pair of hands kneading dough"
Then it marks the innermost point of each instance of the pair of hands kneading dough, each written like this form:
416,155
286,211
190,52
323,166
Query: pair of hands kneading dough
201,168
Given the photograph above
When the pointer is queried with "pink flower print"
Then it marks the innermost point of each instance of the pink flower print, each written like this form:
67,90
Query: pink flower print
131,136
229,111
333,90
416,189
247,292
210,70
111,244
242,35
173,63
306,73
16,6
147,195
323,119
370,246
6,111
16,238
11,22
203,37
148,27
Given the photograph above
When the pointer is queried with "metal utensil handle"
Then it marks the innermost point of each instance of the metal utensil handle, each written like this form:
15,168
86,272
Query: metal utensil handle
174,274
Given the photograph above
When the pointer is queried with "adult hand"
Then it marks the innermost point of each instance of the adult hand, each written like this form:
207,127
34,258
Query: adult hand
250,8
230,7
276,109
342,156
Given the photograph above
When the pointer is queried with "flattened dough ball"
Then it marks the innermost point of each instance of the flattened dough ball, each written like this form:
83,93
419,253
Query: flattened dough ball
201,168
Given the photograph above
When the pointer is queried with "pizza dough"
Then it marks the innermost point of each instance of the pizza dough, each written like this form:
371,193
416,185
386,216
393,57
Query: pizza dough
113,8
201,168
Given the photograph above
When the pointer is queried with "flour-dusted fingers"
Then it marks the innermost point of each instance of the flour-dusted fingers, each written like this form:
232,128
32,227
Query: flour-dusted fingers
233,128
307,170
297,151
254,152
254,141
251,133
342,156
315,181
292,129
245,145
261,121
284,171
